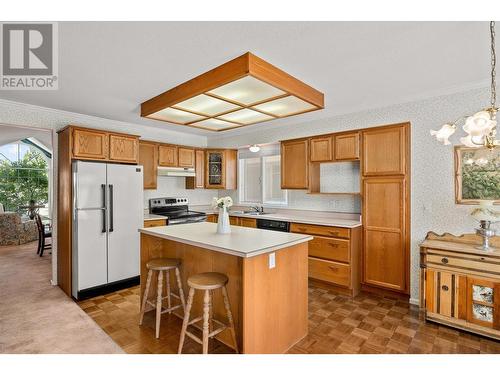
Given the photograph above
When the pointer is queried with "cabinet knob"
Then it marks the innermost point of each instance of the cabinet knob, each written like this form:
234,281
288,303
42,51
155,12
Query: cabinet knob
333,244
334,233
444,260
334,269
445,288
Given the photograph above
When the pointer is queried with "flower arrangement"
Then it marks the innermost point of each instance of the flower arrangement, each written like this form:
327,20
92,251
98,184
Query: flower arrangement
224,202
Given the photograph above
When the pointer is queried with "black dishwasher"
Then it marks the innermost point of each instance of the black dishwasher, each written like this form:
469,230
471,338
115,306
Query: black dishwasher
280,226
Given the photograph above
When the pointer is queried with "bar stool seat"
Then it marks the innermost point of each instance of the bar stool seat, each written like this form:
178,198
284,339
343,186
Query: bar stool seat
162,265
208,282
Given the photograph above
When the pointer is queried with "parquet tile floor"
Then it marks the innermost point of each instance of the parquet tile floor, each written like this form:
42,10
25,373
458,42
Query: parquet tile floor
367,323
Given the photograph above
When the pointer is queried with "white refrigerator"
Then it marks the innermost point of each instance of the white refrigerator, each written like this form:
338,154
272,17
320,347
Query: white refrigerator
107,213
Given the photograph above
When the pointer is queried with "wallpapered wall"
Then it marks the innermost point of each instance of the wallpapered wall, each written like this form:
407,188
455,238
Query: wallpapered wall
432,186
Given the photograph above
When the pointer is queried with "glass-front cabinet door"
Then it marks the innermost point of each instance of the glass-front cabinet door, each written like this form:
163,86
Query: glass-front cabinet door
483,302
215,169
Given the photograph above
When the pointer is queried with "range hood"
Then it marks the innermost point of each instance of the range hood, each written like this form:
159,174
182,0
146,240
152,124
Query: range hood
176,172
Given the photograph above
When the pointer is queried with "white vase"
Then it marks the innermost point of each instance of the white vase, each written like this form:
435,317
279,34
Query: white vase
223,226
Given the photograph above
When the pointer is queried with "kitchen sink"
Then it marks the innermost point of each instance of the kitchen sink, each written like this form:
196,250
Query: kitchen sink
248,213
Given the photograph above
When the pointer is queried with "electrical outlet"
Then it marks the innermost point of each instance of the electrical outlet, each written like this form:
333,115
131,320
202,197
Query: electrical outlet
272,260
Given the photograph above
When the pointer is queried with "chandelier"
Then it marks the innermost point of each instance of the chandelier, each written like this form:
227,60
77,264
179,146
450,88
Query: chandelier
481,126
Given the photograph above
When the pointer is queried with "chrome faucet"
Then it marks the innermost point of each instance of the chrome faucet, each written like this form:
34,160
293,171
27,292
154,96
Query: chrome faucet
257,209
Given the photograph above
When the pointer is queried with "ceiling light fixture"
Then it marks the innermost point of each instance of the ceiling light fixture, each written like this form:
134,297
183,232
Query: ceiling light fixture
254,148
481,127
241,92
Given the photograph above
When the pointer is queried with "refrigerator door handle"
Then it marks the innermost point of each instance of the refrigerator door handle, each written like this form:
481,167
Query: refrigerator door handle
111,228
104,224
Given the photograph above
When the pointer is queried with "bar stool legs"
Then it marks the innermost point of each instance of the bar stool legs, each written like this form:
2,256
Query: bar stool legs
159,303
185,322
161,265
229,317
145,297
207,282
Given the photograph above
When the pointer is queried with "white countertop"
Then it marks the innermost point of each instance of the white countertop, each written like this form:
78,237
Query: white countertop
297,216
242,242
148,217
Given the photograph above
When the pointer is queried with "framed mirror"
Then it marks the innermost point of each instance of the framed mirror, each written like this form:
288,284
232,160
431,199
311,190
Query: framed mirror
477,174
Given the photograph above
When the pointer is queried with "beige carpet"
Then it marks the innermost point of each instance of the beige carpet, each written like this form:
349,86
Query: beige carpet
36,317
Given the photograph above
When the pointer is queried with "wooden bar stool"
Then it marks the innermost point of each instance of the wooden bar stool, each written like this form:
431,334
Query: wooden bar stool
161,265
208,281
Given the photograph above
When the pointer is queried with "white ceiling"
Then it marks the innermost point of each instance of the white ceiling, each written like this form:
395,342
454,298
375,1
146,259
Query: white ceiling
107,69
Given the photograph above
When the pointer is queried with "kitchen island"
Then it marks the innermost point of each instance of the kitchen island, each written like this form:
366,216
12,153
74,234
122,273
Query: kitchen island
267,274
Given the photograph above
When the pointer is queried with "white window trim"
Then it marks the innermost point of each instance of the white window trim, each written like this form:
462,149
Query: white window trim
241,184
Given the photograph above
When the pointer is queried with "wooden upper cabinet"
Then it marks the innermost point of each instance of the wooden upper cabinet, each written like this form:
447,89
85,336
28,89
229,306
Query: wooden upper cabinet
384,151
197,182
148,158
347,146
321,149
200,169
221,169
123,148
186,157
90,144
295,164
385,258
167,156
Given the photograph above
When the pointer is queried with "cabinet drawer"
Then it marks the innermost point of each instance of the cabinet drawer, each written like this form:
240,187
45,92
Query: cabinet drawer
155,223
329,248
332,272
320,230
466,263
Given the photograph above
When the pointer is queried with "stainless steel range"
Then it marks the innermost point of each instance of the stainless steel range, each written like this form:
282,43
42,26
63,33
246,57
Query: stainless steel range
176,210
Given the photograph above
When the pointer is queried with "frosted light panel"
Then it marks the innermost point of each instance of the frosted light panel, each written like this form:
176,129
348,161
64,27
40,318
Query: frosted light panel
214,124
247,90
246,116
285,106
175,115
206,105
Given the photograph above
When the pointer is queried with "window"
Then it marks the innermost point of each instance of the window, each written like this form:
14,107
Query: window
260,179
23,176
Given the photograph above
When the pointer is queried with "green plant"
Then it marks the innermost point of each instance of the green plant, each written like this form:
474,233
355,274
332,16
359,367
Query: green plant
24,180
480,181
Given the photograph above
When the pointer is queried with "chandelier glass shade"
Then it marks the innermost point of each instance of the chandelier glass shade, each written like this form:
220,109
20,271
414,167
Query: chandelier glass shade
481,127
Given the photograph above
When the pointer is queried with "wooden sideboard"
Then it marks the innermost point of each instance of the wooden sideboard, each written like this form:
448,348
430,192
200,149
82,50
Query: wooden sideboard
459,284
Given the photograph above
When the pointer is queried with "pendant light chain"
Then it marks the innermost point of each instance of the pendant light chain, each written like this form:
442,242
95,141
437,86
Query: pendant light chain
493,66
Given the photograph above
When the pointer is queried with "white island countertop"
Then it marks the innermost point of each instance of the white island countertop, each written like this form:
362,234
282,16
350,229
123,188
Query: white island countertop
243,242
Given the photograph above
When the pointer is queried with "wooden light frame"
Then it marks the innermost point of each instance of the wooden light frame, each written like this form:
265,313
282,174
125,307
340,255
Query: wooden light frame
240,67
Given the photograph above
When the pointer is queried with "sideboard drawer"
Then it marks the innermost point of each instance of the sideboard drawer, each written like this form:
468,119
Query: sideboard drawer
465,262
320,230
332,272
329,248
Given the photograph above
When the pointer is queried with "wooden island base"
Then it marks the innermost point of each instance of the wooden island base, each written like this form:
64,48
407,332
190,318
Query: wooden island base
269,305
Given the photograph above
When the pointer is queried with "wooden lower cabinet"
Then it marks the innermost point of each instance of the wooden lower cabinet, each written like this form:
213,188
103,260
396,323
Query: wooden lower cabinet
212,218
334,255
155,223
460,285
247,222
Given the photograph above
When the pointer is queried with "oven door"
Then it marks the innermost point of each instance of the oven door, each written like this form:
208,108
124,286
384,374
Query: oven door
197,219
